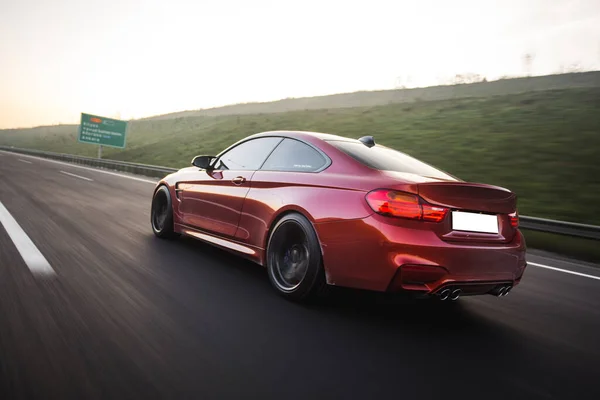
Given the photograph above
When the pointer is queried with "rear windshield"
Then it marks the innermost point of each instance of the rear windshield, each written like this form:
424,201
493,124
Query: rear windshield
386,159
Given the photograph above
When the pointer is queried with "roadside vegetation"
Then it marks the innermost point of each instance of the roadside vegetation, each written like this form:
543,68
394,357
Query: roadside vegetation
542,144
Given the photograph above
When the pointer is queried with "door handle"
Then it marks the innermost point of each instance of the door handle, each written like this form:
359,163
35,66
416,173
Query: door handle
238,180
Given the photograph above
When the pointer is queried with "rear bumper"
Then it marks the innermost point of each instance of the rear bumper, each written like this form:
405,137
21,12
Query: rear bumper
374,255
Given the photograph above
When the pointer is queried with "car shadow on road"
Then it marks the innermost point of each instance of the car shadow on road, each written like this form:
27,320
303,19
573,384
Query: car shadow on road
391,310
474,336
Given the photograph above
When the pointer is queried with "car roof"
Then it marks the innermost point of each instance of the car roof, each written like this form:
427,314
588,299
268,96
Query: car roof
303,135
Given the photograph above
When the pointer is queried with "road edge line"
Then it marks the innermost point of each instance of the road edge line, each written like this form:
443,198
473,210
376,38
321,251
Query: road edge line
566,271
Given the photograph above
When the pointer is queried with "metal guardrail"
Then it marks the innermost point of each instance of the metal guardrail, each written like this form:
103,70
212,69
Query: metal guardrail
530,223
134,168
560,227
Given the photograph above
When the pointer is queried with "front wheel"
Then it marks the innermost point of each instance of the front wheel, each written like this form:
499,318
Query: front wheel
294,261
161,214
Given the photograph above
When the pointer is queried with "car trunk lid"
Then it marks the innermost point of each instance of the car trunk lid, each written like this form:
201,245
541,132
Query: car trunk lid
477,212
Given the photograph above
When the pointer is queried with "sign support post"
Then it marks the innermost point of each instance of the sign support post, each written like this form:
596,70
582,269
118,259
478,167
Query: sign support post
99,151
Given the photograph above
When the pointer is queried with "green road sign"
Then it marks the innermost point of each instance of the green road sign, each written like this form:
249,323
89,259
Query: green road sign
103,131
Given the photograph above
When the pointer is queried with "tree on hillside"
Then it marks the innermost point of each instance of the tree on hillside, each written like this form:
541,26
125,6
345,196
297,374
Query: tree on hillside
528,63
571,68
468,77
399,84
575,67
403,81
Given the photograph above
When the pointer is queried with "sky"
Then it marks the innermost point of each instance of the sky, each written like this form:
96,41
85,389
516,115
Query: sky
137,58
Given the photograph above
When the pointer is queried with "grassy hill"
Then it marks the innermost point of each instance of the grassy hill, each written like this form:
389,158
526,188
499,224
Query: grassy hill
543,145
383,97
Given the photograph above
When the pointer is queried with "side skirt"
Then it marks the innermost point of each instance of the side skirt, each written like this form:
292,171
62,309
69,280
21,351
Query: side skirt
252,253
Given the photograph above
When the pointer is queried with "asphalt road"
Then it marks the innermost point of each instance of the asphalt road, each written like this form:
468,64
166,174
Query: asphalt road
125,315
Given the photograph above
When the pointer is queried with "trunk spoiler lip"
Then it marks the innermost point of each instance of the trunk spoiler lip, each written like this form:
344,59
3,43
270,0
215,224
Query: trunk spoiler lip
469,184
422,180
409,177
505,202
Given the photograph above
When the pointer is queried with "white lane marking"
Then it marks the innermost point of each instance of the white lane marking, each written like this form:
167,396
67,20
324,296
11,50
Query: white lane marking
76,176
90,169
568,262
31,255
566,271
25,161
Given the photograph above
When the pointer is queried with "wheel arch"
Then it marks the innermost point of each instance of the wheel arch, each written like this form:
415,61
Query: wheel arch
159,184
282,212
165,193
277,217
170,188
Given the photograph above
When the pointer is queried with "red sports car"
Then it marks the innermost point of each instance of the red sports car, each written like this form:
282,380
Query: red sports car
318,209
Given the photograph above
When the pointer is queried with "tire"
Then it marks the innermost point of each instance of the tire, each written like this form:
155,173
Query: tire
294,261
161,214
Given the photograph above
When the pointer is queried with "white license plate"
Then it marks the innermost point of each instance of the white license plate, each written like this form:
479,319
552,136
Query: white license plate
472,222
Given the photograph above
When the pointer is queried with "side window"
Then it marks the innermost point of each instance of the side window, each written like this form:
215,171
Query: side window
248,155
294,156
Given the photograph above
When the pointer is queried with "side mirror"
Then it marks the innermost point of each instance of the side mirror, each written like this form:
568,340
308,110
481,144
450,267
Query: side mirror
203,162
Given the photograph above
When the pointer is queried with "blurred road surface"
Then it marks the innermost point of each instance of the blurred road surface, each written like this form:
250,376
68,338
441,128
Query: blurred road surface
125,315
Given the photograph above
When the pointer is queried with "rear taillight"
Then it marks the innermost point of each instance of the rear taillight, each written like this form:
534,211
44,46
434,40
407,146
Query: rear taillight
404,205
433,213
514,219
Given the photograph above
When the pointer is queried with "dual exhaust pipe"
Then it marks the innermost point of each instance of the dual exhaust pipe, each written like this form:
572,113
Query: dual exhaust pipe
450,294
502,290
454,294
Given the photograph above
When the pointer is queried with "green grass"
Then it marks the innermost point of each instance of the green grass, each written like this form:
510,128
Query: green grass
581,249
544,145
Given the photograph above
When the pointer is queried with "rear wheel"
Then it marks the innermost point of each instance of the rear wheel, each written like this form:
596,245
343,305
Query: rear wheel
161,214
294,261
